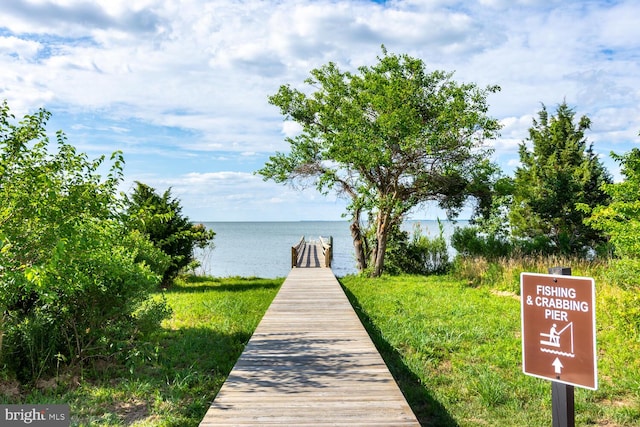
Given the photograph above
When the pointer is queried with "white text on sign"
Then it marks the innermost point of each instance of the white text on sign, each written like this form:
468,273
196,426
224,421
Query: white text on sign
557,301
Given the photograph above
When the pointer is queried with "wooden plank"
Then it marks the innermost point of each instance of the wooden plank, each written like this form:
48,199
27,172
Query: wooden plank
310,362
310,255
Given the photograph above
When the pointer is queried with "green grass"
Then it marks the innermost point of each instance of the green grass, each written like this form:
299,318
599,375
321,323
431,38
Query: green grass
456,352
453,348
212,321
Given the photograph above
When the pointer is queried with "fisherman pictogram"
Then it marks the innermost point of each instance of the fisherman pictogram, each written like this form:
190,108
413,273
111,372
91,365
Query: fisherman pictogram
558,342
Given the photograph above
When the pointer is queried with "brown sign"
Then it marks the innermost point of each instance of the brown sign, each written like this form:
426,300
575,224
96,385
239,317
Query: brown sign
558,328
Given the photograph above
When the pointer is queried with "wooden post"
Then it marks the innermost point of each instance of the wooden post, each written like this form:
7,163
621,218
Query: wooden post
294,257
328,255
331,244
562,395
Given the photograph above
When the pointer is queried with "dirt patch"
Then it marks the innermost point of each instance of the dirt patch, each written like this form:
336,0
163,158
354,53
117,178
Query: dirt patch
10,389
445,366
131,412
46,384
505,294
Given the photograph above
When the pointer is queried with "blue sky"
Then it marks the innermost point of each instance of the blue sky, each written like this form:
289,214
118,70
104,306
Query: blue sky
181,87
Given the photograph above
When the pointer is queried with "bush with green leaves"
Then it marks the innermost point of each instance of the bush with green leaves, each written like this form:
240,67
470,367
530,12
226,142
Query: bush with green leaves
160,218
432,252
73,278
620,220
472,242
417,253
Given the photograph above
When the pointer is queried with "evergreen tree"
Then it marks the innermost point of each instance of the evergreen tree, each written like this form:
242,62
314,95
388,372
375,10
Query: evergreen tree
559,171
160,218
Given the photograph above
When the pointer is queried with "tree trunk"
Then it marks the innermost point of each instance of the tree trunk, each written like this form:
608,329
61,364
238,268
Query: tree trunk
358,246
382,233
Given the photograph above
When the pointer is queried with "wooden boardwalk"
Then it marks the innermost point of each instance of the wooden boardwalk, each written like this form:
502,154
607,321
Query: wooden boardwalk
311,256
310,362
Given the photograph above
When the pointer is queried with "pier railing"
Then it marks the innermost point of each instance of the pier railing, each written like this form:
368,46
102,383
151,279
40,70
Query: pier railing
325,243
296,250
327,250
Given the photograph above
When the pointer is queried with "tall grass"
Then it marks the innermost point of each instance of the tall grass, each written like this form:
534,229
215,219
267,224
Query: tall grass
454,346
618,307
504,273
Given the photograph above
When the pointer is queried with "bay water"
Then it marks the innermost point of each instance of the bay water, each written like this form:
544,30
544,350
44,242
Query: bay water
263,249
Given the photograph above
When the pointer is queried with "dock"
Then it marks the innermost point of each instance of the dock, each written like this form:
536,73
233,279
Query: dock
310,362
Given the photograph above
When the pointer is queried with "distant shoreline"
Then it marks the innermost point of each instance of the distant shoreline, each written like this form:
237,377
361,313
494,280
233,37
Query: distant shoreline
263,248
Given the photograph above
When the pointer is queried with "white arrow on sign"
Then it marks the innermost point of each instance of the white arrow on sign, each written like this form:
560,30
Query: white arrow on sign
557,364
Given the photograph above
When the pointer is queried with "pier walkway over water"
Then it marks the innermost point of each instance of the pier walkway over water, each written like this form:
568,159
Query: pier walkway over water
310,362
312,254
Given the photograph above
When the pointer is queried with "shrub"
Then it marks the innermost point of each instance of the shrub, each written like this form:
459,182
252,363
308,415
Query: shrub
418,254
624,272
160,218
71,275
470,242
432,253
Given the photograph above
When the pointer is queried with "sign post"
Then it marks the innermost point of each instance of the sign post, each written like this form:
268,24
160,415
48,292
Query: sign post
558,335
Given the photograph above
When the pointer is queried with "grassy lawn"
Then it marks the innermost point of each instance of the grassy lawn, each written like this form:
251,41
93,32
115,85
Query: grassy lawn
453,348
196,349
456,352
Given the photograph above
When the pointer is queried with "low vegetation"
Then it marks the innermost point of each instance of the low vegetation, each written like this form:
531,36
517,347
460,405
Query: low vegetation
453,345
455,350
174,384
78,261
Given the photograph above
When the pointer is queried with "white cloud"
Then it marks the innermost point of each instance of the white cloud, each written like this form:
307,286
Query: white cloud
619,25
291,128
231,195
513,163
19,48
514,127
73,18
507,145
196,74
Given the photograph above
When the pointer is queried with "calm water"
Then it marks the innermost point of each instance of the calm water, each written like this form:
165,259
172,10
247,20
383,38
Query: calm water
263,249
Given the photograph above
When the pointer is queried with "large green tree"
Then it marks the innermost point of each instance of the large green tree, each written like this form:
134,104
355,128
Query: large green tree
73,282
388,138
559,171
